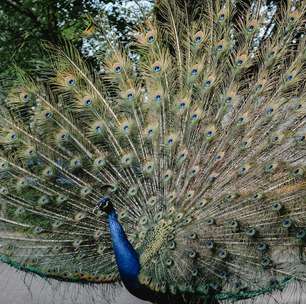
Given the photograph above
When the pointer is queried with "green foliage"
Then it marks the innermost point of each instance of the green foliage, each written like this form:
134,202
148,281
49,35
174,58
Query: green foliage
25,24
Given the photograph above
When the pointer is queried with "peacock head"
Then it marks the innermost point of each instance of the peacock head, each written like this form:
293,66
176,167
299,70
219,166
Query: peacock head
105,204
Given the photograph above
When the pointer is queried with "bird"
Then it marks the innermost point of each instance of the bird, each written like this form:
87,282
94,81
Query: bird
177,169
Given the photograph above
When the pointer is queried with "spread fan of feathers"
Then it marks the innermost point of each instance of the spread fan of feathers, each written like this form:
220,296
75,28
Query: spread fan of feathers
196,134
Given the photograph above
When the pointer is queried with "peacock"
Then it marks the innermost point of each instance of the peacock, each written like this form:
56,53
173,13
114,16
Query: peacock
177,169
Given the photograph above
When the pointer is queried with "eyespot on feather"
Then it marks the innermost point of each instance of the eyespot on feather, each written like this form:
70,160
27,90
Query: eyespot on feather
127,159
198,38
87,101
117,68
70,81
150,37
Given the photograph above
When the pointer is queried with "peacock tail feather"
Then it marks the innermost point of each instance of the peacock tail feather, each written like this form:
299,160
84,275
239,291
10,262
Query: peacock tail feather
196,132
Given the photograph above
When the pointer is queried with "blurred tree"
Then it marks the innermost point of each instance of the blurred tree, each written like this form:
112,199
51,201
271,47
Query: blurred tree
25,23
116,20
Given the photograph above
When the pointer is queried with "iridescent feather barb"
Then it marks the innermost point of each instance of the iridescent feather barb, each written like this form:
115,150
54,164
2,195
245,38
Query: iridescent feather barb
180,173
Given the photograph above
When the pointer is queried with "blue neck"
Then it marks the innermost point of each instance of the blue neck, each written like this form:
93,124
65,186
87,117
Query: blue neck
126,257
129,267
128,262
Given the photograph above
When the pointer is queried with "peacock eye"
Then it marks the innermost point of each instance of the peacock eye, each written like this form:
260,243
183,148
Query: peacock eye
242,170
244,143
171,197
194,72
262,247
210,221
219,47
192,254
169,262
210,244
271,54
198,39
3,190
194,116
61,198
277,207
222,17
26,97
170,141
289,77
234,224
133,191
150,131
251,232
182,105
270,167
269,111
38,230
301,234
118,69
222,254
98,129
209,133
298,172
287,223
126,128
250,28
13,136
151,39
71,82
228,99
207,83
301,138
256,196
157,68
190,195
130,96
224,275
240,119
157,98
88,102
192,236
239,62
48,115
